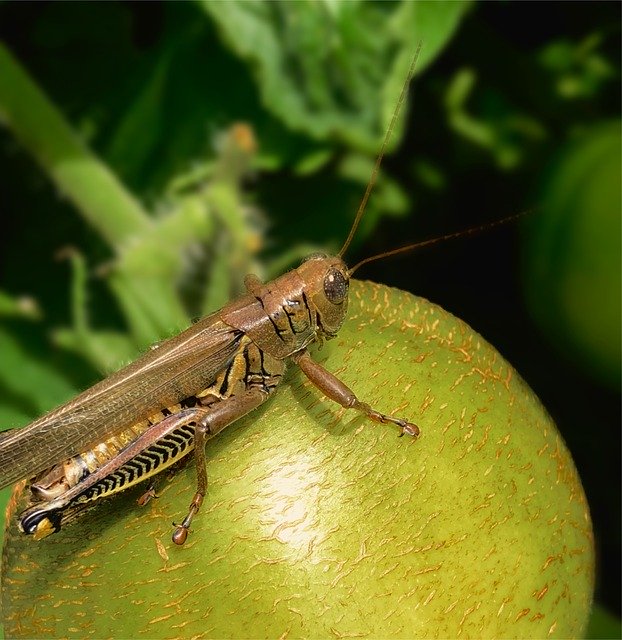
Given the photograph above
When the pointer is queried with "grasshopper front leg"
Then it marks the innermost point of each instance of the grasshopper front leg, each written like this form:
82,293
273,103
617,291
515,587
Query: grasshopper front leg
339,392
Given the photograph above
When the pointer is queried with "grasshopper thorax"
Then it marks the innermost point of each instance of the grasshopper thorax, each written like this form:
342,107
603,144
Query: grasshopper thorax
292,311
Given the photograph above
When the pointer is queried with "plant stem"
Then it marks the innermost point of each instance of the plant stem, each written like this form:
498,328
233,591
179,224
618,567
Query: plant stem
79,175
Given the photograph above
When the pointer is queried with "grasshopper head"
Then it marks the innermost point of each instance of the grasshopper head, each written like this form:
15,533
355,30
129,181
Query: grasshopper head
327,282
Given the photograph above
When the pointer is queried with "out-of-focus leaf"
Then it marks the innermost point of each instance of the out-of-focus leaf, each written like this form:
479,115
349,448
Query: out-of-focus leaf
302,57
105,350
579,68
389,198
492,124
33,380
313,161
137,135
430,174
12,416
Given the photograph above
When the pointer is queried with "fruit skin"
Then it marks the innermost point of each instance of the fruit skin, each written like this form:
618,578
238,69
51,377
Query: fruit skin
318,523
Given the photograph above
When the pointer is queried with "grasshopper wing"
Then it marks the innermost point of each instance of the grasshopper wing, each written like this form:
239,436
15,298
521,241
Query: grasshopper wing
174,370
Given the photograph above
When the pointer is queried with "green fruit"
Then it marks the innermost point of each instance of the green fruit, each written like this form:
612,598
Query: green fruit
318,523
573,276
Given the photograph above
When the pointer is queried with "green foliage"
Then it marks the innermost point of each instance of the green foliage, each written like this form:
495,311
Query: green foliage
580,68
19,373
303,64
504,132
318,101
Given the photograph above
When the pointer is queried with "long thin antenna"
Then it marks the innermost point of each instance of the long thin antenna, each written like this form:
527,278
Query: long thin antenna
449,236
385,142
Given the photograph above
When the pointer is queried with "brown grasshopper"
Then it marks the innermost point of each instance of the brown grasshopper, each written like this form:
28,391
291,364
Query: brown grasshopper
152,413
180,394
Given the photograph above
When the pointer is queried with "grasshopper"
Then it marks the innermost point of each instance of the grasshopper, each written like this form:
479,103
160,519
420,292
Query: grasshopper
177,396
154,412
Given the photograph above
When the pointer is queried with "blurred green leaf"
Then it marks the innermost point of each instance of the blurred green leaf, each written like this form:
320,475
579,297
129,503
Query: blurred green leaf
136,137
579,68
105,350
302,57
23,306
389,198
32,382
493,124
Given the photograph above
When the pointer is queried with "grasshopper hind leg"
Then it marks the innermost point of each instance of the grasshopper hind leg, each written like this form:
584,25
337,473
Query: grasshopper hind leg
217,418
250,380
180,535
40,523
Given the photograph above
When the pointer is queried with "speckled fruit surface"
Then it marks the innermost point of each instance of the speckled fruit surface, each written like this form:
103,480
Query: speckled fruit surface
318,523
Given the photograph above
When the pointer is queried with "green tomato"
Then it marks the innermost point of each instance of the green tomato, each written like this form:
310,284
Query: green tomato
573,276
319,523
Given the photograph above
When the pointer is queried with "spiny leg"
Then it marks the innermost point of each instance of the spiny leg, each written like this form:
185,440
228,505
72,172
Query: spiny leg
136,462
180,535
252,377
336,390
217,417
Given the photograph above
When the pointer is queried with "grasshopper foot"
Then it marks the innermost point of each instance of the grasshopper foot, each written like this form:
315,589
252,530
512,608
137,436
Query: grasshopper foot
409,429
180,535
146,497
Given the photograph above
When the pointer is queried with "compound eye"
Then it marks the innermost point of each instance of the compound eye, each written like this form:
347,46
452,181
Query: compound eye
335,286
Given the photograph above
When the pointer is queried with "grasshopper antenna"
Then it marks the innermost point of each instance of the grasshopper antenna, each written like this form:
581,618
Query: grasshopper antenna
426,243
385,142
